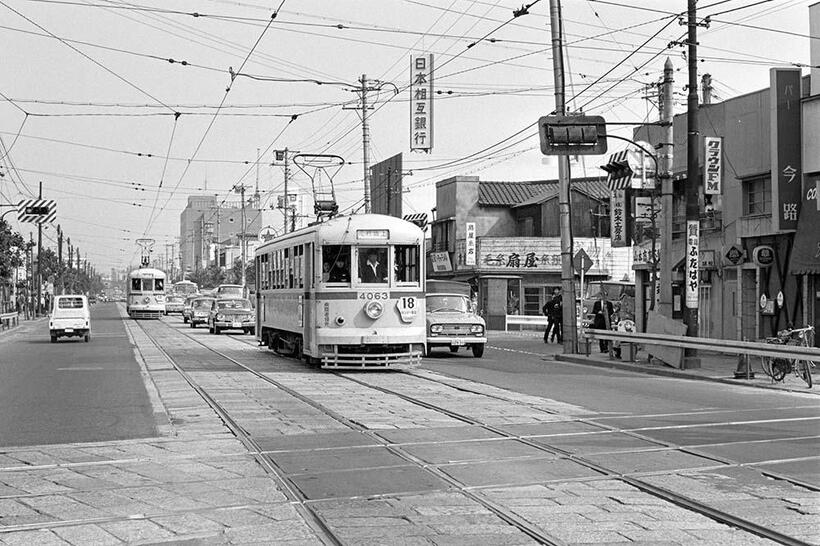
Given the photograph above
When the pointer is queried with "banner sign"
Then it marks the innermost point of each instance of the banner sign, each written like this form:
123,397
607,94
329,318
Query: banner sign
645,209
692,259
441,262
712,165
785,148
618,219
421,103
469,248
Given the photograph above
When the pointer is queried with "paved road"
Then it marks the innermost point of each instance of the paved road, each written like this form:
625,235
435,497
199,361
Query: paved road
72,391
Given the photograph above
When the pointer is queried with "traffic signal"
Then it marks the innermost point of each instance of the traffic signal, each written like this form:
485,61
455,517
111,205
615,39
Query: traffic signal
37,210
572,135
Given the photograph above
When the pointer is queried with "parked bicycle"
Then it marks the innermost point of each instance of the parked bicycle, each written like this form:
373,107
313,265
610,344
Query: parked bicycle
778,368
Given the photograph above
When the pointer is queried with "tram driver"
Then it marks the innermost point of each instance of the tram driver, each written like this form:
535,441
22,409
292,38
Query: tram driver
374,268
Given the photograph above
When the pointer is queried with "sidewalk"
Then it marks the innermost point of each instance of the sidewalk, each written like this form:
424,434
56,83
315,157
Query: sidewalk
714,367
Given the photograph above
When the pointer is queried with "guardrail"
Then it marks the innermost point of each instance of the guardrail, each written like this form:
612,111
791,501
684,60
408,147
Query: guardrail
728,346
536,320
9,320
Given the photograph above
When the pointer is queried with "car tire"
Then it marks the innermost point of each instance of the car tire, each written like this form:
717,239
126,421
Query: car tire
217,331
478,350
54,339
87,338
453,349
252,331
185,320
193,324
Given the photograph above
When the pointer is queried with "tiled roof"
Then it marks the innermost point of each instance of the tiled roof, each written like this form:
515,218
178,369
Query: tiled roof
506,194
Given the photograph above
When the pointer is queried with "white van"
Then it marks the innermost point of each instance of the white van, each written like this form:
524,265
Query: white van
70,317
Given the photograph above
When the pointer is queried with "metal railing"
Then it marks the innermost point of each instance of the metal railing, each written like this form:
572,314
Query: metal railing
726,346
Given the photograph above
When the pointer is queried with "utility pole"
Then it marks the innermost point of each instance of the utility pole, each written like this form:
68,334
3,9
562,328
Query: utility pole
706,85
692,206
241,190
665,156
60,257
39,256
564,216
31,304
363,90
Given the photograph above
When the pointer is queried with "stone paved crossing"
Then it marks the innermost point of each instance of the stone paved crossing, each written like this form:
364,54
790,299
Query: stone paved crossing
452,483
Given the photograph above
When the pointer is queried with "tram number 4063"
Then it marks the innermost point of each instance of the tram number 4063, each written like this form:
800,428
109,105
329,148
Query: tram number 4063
371,296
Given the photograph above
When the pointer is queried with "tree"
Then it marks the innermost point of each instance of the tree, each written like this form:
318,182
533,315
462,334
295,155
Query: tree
250,272
210,277
12,251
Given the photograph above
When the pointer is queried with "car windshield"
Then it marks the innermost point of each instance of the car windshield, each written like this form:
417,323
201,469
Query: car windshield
447,303
69,303
199,304
230,291
242,304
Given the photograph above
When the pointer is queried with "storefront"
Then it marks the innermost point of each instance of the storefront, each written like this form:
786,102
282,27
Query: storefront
805,256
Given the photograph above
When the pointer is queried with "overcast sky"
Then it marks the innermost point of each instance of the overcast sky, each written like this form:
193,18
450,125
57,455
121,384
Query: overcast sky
88,93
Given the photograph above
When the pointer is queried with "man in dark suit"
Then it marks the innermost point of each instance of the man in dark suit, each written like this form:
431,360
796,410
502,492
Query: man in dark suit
373,271
602,309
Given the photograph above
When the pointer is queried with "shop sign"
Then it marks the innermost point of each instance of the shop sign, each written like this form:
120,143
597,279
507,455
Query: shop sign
707,259
692,255
734,255
713,165
642,254
441,262
785,128
619,226
470,248
763,256
534,255
779,298
763,301
421,103
645,209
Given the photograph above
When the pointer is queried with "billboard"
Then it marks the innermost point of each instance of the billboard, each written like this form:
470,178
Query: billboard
386,187
787,179
421,103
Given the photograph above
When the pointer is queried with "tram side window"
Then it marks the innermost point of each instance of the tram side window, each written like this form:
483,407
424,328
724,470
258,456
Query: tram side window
407,264
373,265
136,285
336,263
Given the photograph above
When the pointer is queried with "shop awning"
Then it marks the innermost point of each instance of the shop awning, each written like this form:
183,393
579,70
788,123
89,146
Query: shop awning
805,258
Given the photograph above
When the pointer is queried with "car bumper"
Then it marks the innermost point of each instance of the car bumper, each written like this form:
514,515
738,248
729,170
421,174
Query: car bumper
231,325
69,332
455,341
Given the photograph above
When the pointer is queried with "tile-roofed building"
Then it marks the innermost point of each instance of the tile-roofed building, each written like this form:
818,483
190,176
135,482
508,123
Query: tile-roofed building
506,194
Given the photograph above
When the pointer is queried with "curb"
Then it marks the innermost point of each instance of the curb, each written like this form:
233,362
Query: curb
676,374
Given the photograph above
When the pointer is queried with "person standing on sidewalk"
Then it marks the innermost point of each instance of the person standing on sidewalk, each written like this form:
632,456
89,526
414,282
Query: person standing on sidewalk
553,327
602,309
547,310
557,316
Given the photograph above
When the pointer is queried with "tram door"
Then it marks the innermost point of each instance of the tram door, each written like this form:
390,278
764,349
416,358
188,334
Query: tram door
309,305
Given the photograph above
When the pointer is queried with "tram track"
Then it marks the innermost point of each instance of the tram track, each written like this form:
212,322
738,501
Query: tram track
475,494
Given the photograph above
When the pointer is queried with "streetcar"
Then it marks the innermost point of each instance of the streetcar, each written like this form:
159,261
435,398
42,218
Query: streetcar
184,289
345,294
146,293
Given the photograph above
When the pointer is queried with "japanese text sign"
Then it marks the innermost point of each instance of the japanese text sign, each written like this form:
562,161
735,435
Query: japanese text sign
692,258
470,247
712,165
619,219
785,149
421,103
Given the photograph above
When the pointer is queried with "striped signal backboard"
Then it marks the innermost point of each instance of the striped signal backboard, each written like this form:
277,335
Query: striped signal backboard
37,211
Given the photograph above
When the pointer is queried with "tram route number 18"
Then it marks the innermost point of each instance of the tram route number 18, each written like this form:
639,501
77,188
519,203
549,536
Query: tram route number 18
408,308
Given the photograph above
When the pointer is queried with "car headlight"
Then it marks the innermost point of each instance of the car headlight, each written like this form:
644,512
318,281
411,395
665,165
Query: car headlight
220,317
436,328
476,329
373,309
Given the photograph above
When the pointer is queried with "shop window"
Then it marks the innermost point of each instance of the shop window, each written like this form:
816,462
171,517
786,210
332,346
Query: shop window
513,296
532,300
757,195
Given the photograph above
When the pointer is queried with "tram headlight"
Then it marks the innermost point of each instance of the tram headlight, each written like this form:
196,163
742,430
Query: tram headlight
340,320
476,329
146,299
374,309
436,328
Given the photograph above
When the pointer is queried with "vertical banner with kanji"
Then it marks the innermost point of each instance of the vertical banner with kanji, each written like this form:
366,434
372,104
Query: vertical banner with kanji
787,180
712,165
421,103
619,219
469,247
692,256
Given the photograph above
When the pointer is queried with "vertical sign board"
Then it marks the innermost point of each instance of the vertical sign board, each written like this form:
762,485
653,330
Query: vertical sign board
619,219
692,258
713,165
785,138
421,103
469,248
386,186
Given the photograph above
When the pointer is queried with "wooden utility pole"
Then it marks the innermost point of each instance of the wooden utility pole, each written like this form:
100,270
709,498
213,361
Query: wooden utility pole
39,306
564,213
692,168
665,156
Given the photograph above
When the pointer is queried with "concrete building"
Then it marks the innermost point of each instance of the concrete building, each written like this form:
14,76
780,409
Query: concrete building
504,239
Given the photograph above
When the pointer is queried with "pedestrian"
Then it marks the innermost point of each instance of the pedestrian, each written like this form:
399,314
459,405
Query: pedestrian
557,316
547,310
602,309
614,321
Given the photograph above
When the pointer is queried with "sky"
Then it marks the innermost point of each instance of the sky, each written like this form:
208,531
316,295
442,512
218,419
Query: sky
124,109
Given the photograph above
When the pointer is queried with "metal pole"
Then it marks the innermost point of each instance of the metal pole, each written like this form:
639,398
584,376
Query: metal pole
39,256
365,145
285,198
242,233
565,219
665,157
60,256
692,140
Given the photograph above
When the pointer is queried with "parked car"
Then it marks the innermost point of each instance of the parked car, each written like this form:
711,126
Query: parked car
232,314
174,304
200,308
451,319
70,317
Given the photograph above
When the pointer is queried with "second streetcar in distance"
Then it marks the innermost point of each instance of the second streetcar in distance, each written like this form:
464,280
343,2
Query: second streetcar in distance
146,293
346,293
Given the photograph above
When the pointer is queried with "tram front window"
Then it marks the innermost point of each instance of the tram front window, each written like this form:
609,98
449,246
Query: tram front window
373,265
407,264
336,264
159,285
136,285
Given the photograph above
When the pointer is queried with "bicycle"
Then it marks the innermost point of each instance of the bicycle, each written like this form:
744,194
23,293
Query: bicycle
778,368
